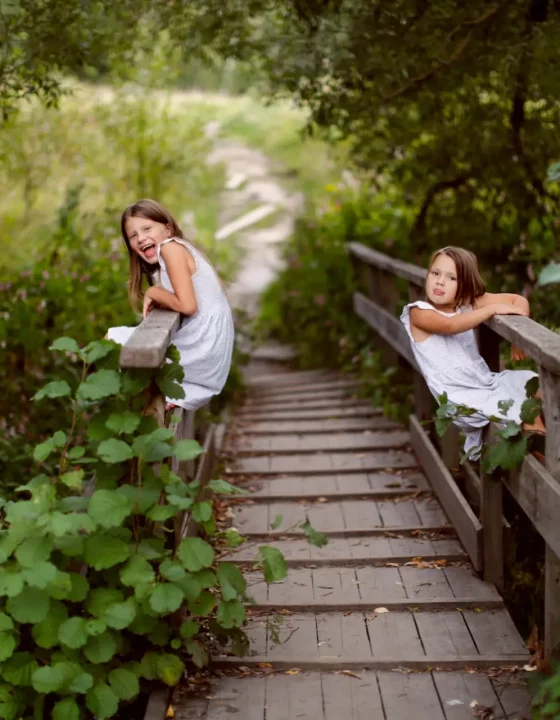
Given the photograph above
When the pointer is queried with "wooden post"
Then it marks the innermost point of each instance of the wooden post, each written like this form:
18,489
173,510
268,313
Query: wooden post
550,387
491,498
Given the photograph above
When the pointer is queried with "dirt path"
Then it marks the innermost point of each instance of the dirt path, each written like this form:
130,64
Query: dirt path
251,197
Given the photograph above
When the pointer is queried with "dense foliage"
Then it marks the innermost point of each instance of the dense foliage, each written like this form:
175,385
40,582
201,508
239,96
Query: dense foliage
71,639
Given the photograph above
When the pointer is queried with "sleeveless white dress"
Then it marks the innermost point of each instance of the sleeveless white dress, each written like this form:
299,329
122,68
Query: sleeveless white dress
204,340
452,364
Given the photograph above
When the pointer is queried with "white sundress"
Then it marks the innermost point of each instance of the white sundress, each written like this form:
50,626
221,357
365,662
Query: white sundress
204,340
452,364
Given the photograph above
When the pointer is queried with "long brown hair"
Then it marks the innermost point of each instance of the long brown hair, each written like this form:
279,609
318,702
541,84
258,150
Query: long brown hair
469,282
139,268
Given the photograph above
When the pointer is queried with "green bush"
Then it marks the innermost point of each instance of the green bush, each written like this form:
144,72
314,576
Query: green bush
76,644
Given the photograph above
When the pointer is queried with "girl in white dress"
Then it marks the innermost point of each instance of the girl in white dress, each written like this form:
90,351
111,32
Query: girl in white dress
441,331
187,284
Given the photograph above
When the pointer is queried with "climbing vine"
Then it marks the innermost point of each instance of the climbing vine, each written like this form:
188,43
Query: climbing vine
92,577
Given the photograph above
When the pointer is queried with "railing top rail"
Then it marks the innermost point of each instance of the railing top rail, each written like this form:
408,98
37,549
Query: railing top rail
408,271
149,342
538,342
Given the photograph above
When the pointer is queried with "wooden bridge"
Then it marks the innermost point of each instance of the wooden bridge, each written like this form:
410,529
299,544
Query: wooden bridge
399,615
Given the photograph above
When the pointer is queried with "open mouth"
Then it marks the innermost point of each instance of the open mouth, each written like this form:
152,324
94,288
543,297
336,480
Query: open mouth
149,251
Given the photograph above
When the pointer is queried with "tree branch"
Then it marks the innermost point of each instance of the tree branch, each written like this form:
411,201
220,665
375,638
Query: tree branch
455,55
419,225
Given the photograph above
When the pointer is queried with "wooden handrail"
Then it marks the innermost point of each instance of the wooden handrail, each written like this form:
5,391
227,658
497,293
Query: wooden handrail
149,342
534,487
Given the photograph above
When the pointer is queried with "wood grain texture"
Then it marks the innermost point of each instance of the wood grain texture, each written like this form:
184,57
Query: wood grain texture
149,342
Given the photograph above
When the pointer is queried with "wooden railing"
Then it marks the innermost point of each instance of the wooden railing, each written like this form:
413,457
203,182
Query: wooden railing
146,349
387,284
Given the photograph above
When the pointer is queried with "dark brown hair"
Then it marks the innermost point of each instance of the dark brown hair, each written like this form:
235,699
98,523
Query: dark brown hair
139,268
469,282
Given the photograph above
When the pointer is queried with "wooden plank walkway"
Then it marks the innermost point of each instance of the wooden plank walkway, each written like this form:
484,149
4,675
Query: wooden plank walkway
387,621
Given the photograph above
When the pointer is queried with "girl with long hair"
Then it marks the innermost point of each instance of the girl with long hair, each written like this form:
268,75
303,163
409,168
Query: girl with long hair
188,284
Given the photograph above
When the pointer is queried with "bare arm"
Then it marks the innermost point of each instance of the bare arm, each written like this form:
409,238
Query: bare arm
503,298
433,323
180,267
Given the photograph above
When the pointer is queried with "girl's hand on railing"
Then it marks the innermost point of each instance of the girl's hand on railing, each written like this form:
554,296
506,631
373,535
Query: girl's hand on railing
507,309
149,305
517,353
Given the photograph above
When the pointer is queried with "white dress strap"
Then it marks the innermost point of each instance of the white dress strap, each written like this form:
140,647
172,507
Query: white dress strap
182,242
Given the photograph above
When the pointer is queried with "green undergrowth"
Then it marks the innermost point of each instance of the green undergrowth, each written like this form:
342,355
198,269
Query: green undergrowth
92,583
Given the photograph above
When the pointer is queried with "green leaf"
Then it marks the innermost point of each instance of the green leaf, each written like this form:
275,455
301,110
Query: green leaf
190,587
45,633
124,422
202,511
505,454
161,513
319,539
100,598
73,632
203,606
553,172
33,550
60,439
102,701
137,571
172,570
124,684
40,575
99,385
55,389
504,406
73,479
189,629
160,634
114,451
232,582
100,648
19,669
168,378
169,668
103,552
43,450
47,679
80,588
198,654
233,538
231,614
509,430
95,627
76,453
120,615
67,709
275,567
195,553
66,344
275,524
8,644
166,598
187,450
61,586
222,487
173,354
30,606
109,508
206,578
99,349
5,622
530,410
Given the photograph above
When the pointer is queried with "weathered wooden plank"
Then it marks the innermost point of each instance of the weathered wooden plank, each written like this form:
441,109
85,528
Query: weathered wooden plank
409,696
290,697
494,632
430,511
458,690
426,584
465,583
352,698
232,696
445,633
297,588
298,636
338,585
327,392
342,411
330,425
339,383
297,406
386,662
387,325
312,443
402,606
148,344
289,379
408,271
514,697
540,343
456,507
341,635
473,491
380,584
322,463
395,634
386,531
396,515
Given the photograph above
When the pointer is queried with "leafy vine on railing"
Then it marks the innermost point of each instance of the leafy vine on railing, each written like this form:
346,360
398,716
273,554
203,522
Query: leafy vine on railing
510,447
91,587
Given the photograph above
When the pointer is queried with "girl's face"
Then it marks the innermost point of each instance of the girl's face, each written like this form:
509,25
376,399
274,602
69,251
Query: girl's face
441,284
145,235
